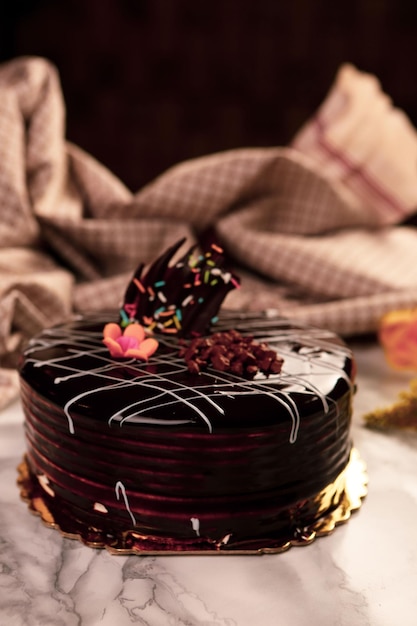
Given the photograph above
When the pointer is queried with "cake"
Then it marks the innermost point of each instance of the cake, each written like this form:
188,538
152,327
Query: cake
231,437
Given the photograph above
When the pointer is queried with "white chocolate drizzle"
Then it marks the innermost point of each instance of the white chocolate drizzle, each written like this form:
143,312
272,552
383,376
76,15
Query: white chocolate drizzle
100,507
44,483
120,488
195,523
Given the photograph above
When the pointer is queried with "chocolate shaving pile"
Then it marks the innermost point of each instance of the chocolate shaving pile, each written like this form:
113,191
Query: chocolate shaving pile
230,352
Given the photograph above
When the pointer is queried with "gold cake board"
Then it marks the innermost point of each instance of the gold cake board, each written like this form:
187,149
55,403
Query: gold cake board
354,490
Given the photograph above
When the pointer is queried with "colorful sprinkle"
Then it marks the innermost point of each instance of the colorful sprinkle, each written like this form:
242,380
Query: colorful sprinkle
139,285
125,318
130,309
187,300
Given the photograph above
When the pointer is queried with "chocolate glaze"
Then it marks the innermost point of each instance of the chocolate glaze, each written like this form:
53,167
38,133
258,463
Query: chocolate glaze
181,459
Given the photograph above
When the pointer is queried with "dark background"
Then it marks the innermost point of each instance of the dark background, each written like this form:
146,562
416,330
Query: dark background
149,83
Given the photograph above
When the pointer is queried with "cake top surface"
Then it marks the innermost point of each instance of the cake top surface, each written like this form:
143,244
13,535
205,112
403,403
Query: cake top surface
69,366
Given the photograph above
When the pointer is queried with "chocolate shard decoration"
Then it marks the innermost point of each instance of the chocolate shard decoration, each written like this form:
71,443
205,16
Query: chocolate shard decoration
182,299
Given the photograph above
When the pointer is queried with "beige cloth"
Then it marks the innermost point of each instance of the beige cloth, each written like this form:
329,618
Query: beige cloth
315,225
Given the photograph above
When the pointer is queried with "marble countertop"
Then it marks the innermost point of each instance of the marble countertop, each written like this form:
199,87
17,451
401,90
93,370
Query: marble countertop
365,573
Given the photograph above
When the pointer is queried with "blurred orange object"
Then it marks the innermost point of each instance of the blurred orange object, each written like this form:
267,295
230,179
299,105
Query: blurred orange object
398,337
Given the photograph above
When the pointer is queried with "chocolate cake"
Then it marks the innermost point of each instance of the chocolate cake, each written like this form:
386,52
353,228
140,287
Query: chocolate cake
232,437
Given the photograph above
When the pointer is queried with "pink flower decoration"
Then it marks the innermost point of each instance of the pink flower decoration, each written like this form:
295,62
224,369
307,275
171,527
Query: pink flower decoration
398,337
131,342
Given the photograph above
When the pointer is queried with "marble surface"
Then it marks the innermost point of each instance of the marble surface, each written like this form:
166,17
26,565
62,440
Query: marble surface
365,573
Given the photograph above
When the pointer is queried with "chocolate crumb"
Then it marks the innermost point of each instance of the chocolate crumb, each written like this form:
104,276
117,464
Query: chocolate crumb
230,352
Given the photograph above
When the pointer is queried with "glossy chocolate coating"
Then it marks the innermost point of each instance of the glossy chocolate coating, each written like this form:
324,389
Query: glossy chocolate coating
187,459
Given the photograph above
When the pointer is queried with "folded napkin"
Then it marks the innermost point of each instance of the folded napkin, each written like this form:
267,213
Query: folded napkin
315,227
